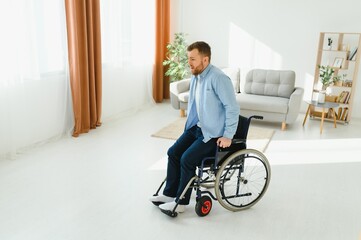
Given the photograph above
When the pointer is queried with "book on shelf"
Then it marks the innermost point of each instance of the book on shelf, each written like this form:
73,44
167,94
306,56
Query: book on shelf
339,112
328,114
344,114
347,98
343,96
352,53
354,57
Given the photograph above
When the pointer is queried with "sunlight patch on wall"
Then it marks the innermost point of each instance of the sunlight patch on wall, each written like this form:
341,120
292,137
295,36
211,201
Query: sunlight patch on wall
248,52
308,86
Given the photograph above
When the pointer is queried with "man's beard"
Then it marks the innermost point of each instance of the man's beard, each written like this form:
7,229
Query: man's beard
198,69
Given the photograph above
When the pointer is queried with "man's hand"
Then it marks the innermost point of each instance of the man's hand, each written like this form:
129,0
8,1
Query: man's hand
224,142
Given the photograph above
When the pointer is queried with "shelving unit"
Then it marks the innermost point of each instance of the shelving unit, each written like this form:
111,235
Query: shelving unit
341,51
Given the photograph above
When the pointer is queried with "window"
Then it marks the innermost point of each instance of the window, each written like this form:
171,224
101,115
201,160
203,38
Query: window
32,42
127,32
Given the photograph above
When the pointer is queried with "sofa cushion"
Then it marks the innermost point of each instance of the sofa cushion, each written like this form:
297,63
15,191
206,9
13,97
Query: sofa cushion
270,82
234,75
262,103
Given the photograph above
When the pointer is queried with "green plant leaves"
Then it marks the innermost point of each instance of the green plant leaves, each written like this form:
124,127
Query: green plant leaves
177,59
326,73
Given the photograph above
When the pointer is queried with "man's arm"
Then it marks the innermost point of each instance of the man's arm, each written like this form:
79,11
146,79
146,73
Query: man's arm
225,92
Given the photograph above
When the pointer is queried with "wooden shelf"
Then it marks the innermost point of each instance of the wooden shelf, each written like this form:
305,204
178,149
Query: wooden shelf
343,44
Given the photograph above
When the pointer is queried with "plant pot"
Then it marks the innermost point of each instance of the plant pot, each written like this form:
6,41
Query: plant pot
321,96
339,83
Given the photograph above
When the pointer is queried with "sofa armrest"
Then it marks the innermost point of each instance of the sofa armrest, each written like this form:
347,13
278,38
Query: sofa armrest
180,86
294,105
175,89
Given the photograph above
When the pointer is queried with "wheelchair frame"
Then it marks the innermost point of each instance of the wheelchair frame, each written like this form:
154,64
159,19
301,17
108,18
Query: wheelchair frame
240,167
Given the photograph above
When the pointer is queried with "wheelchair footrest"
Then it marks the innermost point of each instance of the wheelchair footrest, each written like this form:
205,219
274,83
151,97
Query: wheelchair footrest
169,213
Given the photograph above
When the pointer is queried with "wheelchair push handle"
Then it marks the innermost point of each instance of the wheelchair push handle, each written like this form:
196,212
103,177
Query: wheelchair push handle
257,117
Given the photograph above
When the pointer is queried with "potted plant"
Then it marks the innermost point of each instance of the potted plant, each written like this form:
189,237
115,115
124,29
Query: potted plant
339,80
326,73
177,59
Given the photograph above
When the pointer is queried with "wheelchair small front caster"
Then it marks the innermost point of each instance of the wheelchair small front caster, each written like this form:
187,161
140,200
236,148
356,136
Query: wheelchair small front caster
203,206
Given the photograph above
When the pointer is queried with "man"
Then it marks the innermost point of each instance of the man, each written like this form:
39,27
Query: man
212,120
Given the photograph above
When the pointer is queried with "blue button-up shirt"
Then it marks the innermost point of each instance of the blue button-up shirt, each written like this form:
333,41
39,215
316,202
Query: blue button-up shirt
218,109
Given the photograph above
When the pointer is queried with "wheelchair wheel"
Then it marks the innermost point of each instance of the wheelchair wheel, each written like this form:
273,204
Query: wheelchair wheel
203,206
242,179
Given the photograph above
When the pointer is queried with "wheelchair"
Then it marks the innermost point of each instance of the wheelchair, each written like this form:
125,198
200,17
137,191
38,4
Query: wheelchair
239,176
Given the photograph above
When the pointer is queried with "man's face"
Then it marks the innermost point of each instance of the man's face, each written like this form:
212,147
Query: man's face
197,62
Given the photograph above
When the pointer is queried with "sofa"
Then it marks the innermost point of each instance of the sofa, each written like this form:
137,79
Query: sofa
269,93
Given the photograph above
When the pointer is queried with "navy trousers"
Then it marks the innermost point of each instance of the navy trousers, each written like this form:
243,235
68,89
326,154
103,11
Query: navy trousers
183,158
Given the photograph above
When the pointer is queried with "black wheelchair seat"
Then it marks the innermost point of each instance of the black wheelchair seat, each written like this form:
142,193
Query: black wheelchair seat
239,140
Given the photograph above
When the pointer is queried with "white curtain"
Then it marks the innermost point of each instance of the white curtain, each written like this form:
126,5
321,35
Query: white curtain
35,104
128,55
35,99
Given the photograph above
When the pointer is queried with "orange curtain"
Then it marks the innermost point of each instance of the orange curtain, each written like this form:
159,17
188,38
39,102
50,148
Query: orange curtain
160,82
84,53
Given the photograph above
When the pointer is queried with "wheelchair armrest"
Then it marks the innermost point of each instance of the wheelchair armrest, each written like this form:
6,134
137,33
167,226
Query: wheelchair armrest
236,145
238,141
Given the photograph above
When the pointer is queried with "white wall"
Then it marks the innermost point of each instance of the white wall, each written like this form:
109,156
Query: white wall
279,34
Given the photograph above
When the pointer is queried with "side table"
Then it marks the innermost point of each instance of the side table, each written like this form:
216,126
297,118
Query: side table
324,106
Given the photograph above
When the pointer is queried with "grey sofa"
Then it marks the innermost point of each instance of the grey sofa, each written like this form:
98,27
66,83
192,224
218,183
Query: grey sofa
269,93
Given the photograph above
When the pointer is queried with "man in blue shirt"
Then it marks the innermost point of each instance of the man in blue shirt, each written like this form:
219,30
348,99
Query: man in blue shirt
212,120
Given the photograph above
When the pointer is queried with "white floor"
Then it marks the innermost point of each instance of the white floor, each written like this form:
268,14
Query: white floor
97,187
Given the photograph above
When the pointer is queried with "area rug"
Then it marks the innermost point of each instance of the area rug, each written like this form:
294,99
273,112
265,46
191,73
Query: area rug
258,138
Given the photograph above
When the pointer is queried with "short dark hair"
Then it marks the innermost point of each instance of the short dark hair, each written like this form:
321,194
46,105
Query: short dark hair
203,48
